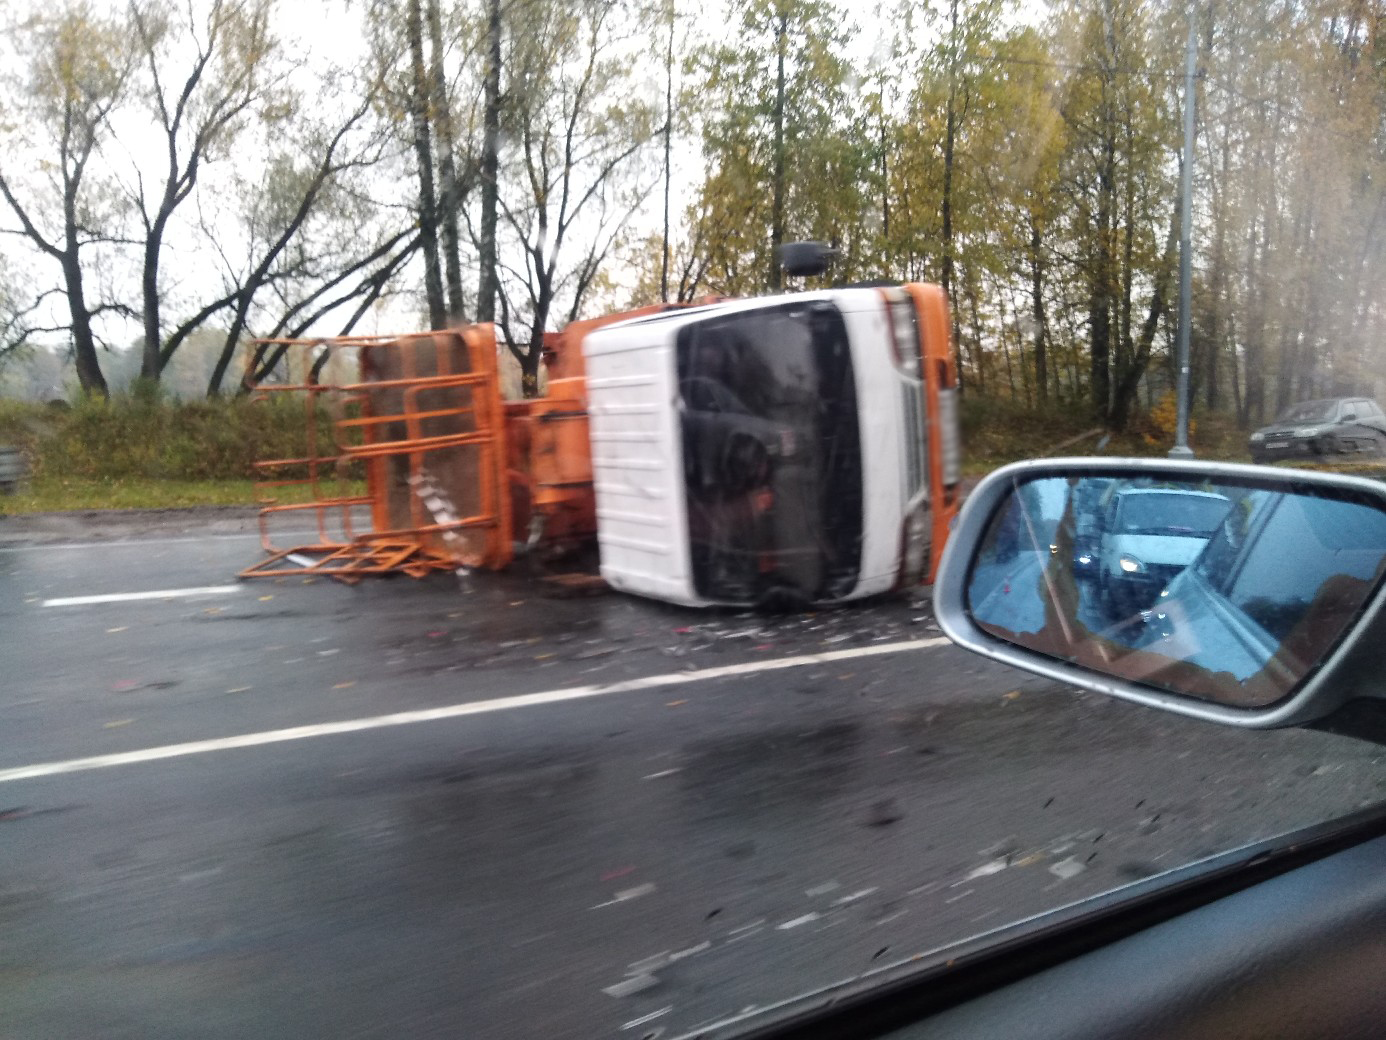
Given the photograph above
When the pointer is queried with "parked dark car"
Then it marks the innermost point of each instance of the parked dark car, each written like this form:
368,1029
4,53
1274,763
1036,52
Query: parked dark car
1337,426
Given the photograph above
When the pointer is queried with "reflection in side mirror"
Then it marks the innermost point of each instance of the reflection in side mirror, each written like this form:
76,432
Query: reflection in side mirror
1229,591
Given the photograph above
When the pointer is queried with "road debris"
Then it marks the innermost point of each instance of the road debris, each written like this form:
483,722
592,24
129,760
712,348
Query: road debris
986,870
1067,868
627,895
847,900
883,812
629,987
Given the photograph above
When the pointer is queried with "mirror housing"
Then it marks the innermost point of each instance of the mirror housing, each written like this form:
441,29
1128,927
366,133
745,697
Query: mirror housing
805,259
1352,664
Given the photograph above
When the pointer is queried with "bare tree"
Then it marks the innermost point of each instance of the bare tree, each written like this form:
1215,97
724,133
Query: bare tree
60,101
490,166
453,187
318,241
228,69
574,180
417,97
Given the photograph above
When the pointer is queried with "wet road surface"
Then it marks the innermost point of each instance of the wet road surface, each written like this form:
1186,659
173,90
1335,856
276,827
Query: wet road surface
706,829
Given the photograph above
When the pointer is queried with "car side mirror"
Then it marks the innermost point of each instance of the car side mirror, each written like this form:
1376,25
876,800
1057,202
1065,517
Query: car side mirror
1349,417
1230,593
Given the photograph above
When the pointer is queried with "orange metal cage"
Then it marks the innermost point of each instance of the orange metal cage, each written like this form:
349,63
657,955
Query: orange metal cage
422,425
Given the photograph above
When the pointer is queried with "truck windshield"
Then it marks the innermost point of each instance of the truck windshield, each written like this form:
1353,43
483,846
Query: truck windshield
772,454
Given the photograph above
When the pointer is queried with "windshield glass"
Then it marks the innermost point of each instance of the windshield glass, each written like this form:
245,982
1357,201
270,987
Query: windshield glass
1170,513
456,579
1310,411
772,457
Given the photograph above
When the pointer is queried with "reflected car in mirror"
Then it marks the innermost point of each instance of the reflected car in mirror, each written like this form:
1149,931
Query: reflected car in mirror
1228,592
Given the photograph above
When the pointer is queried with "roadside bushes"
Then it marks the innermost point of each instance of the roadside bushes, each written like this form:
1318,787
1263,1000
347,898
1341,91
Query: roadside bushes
143,436
997,430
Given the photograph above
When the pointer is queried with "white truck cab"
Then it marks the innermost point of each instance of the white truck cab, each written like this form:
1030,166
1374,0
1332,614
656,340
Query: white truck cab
795,449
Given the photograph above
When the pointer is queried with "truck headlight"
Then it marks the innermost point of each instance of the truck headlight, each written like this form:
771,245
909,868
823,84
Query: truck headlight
905,338
1131,565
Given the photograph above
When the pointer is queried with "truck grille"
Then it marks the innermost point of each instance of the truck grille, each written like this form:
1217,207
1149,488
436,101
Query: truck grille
914,439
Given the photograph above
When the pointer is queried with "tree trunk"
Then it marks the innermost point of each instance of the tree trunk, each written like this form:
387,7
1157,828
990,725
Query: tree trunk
777,172
490,167
1038,316
529,369
83,340
978,356
885,175
1218,283
1130,380
668,147
1100,288
1288,359
228,350
423,155
1124,346
450,188
1099,321
950,135
150,366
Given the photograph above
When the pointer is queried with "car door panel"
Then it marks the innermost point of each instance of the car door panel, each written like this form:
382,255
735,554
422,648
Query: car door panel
1299,957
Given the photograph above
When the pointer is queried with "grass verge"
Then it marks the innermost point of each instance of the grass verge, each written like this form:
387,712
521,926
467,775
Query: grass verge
147,453
996,431
48,494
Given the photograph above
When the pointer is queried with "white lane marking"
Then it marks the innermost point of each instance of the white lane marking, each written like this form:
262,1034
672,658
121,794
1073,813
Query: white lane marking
625,897
124,597
126,543
644,1019
846,900
453,711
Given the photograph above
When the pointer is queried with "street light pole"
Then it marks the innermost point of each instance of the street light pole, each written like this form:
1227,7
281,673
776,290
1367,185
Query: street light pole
1181,447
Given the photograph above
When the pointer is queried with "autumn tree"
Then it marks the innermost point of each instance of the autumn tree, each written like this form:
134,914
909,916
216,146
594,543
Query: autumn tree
205,75
572,177
319,241
786,156
1117,182
67,71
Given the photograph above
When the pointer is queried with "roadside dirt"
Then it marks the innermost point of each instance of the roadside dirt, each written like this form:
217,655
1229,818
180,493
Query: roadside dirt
122,524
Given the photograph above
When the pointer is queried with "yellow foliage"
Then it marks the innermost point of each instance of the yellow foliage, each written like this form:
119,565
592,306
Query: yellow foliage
1161,420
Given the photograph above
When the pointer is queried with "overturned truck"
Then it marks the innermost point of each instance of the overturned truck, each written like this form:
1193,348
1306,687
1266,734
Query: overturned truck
787,450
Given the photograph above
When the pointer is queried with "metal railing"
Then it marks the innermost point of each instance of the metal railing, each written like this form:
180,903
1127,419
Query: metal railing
423,426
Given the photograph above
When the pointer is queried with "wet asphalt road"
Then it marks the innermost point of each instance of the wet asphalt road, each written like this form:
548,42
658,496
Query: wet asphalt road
629,864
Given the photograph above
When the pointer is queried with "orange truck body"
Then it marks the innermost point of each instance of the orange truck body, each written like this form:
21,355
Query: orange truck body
455,477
